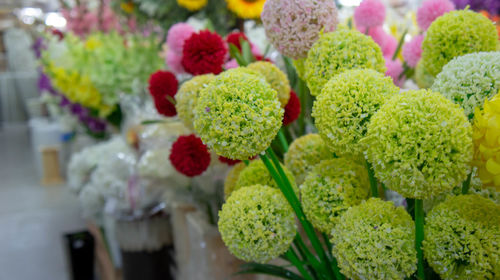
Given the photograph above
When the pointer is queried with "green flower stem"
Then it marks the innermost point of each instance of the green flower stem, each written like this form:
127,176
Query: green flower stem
419,237
400,44
283,141
301,246
373,180
294,202
466,184
327,242
292,256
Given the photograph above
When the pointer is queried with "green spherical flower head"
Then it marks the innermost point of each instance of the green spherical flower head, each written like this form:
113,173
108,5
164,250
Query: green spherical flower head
338,51
422,76
275,77
187,98
375,240
257,223
238,114
331,188
256,173
347,102
420,144
231,178
305,152
470,79
462,238
454,34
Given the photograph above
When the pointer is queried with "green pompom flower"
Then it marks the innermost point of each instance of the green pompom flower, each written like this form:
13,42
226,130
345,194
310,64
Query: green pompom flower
256,173
375,240
347,102
238,114
422,76
257,223
275,77
331,188
305,152
454,34
335,52
462,238
468,80
231,178
187,98
420,144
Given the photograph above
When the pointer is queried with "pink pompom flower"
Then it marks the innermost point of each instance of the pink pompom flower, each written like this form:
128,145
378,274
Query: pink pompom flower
177,34
394,70
173,60
369,13
390,46
292,26
432,9
412,50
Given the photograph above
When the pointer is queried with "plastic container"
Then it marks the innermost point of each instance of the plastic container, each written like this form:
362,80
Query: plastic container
46,134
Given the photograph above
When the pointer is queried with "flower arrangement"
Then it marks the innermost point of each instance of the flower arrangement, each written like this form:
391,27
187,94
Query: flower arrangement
319,201
372,138
94,71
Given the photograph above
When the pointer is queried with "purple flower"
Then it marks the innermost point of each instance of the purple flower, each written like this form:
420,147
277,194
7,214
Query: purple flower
492,6
96,125
38,46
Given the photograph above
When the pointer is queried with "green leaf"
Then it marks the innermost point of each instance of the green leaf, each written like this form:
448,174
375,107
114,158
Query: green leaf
147,122
235,53
269,269
247,52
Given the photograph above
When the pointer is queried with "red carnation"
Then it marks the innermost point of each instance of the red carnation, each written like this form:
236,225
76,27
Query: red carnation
204,52
235,39
228,161
162,83
165,107
189,155
292,109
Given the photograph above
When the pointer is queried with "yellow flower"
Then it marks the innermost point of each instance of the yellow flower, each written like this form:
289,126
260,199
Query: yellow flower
127,7
192,5
93,43
246,8
486,137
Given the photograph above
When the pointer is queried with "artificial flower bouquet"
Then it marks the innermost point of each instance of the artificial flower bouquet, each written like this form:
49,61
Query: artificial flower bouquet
90,73
372,137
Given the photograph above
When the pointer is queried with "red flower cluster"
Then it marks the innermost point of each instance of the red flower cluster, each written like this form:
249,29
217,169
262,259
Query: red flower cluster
161,85
228,161
204,52
189,155
235,39
292,109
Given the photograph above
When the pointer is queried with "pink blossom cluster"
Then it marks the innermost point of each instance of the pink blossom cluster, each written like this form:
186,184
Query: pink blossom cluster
177,35
369,13
82,21
292,26
431,10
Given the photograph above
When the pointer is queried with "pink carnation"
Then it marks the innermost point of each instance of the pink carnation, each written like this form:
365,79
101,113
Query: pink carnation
432,9
173,61
292,26
176,36
412,50
390,46
369,13
394,70
231,64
